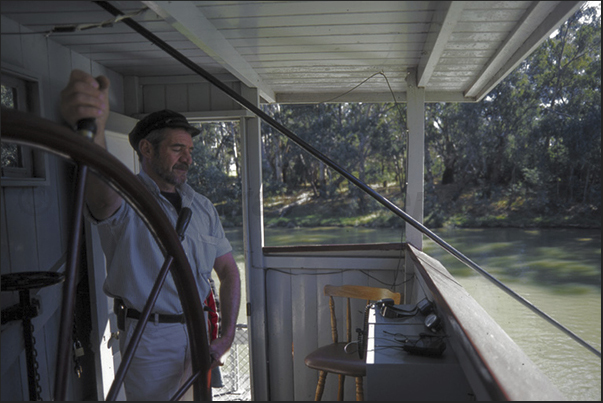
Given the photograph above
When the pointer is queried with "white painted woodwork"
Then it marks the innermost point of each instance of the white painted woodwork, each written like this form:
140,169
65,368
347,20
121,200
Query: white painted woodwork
292,52
190,22
415,112
308,51
253,238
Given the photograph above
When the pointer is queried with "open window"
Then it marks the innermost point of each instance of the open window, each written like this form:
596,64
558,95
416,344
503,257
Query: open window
308,203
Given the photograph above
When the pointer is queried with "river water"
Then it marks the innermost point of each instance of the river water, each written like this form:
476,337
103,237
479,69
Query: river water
558,270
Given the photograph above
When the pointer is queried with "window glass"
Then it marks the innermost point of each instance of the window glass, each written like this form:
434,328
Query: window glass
21,165
11,155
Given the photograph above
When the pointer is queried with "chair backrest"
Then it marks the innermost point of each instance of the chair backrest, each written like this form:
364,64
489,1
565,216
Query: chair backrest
358,292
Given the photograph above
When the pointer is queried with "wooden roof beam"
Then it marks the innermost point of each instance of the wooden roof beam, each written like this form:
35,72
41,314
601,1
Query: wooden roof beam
185,17
528,35
442,25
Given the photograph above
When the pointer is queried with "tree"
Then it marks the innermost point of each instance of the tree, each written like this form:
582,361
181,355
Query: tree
215,172
536,136
566,71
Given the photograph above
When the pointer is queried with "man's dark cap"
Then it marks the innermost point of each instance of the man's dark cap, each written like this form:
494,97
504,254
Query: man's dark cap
160,120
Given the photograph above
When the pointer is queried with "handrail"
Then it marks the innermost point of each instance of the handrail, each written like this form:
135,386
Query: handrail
332,164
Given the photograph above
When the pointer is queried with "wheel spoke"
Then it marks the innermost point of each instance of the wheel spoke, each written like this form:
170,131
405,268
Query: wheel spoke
27,129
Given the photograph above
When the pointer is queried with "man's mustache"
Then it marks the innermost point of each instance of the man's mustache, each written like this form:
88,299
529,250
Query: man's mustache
182,167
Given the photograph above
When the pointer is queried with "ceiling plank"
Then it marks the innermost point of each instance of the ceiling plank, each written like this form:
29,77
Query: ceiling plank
527,36
185,17
442,26
319,50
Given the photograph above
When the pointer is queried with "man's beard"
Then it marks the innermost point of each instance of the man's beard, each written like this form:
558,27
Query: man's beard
167,174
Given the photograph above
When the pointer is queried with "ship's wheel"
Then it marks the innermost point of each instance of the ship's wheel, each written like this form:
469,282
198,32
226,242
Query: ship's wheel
30,130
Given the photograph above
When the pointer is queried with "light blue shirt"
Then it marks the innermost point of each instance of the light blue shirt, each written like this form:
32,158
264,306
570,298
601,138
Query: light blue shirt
134,259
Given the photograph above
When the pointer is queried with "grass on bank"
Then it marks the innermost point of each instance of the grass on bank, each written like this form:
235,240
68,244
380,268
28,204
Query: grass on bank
449,206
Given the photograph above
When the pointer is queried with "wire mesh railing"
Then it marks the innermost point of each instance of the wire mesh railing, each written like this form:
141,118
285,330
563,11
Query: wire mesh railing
235,375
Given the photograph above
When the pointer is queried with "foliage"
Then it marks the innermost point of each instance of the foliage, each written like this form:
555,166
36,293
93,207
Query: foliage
366,139
532,147
215,172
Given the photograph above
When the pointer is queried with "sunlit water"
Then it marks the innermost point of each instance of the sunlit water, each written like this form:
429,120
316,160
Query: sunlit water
559,271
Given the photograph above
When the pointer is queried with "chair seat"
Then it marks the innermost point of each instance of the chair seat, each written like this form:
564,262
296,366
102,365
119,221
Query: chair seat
333,358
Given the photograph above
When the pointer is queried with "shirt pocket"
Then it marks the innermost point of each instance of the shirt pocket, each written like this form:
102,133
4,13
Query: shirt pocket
206,250
208,239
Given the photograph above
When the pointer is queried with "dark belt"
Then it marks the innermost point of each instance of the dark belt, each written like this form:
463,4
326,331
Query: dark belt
120,309
156,317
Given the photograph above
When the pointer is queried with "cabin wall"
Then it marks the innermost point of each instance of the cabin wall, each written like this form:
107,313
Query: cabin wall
298,316
190,95
310,327
35,217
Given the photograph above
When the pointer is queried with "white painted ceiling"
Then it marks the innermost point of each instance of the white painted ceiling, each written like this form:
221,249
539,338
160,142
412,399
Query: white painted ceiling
312,51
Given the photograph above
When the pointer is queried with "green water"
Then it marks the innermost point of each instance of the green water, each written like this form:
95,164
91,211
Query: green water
559,271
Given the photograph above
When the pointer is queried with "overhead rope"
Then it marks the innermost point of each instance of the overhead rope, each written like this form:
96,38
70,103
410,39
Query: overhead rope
59,29
332,164
70,28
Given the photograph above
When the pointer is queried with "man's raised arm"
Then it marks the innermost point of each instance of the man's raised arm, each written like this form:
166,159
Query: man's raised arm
88,97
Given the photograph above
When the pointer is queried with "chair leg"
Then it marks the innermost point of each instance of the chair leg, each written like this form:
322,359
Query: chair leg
359,389
340,389
320,387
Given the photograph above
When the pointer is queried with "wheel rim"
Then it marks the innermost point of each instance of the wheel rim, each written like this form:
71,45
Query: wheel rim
30,130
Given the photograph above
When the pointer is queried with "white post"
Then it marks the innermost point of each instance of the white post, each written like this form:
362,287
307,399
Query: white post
253,233
416,157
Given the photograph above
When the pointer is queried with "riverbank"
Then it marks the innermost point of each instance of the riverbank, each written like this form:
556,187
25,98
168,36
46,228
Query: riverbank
446,206
467,207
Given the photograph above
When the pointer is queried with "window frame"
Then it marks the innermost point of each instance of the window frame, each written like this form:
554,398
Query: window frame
34,169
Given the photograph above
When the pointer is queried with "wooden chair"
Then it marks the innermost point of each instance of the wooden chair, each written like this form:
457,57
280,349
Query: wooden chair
333,358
